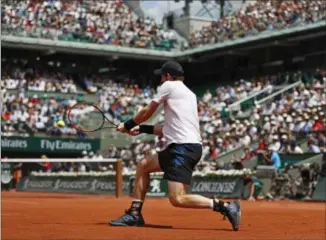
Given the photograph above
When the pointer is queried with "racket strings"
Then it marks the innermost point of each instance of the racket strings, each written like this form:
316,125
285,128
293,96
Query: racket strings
86,117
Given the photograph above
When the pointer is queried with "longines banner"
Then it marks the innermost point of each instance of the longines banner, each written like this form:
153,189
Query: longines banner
98,185
46,145
217,186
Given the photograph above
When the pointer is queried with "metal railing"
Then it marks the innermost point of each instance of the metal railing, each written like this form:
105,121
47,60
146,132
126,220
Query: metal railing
280,92
236,106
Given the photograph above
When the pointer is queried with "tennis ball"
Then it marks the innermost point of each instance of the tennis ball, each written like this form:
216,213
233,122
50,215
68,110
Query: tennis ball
61,123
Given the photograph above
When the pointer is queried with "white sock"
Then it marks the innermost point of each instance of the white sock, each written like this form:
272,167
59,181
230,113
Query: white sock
225,204
137,200
212,204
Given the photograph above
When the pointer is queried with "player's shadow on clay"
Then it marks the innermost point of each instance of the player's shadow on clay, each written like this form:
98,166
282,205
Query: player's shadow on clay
175,228
181,228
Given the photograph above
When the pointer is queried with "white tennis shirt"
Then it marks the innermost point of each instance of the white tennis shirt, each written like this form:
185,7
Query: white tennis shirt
181,122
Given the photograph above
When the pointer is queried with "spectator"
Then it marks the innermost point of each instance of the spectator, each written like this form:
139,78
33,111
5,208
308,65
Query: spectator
17,174
248,154
47,165
294,148
276,145
272,158
312,147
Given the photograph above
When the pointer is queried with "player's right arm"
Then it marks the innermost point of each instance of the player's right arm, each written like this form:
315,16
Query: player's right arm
146,113
158,129
149,129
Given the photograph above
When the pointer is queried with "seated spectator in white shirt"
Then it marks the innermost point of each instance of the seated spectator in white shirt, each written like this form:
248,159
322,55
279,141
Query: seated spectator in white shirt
294,148
312,147
276,145
40,126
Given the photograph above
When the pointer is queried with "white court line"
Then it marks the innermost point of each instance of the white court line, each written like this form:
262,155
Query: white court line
4,200
38,160
9,214
289,205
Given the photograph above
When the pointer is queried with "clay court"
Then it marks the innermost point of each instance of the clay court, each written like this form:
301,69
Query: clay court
84,217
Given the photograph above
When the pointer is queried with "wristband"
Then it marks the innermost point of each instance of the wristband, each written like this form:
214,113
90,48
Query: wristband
129,124
149,129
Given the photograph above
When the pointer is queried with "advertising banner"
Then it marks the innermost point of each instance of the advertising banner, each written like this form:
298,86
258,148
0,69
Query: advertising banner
158,187
6,176
97,185
320,193
225,187
217,186
48,145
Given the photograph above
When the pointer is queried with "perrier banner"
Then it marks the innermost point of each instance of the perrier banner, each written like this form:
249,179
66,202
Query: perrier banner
47,145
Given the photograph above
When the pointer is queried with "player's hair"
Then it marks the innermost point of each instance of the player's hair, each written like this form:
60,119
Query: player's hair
178,78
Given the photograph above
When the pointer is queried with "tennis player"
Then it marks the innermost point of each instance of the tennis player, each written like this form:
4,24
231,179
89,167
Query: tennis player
178,159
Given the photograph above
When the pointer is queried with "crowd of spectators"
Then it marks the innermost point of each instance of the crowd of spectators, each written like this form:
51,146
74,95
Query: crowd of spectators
89,21
257,17
112,22
24,113
14,75
28,109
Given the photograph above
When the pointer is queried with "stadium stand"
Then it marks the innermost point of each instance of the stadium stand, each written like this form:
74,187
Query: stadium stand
257,17
112,22
274,121
101,22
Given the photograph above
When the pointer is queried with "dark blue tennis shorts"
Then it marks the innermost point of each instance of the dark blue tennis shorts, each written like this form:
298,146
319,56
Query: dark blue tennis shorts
179,160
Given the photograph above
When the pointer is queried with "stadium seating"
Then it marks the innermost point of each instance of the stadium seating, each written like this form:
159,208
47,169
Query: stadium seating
112,22
258,17
284,112
281,116
101,22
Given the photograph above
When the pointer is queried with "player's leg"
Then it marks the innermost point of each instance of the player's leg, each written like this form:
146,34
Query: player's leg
178,163
144,168
179,198
252,191
133,216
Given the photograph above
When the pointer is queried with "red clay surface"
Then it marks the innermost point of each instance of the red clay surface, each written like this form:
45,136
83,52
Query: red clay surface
50,216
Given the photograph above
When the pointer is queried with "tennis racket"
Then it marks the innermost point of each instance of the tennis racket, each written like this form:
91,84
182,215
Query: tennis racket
87,117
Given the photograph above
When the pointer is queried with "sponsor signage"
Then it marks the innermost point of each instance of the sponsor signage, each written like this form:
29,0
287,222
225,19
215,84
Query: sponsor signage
320,193
228,187
6,173
98,185
158,187
217,186
46,145
209,186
